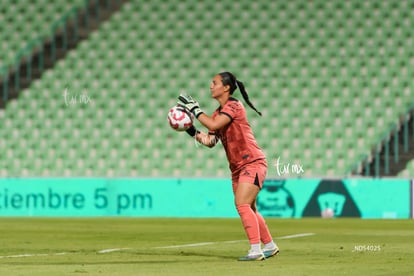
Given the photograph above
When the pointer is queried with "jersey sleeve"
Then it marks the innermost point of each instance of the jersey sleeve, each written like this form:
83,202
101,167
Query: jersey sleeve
230,109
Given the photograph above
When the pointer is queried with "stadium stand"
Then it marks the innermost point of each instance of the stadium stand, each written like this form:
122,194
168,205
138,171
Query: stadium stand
331,79
15,30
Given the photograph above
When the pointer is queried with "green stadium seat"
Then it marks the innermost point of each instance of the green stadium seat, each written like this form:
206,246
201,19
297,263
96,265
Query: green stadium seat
328,90
27,21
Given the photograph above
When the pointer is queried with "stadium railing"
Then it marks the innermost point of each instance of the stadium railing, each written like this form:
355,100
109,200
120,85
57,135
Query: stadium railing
390,147
65,28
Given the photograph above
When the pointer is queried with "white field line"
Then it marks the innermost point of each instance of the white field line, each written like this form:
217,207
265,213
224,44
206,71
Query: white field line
295,236
236,241
109,250
33,255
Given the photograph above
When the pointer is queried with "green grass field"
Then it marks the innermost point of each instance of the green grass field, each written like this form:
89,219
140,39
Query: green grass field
131,246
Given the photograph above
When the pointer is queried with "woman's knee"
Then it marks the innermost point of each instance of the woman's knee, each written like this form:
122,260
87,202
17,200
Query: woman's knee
246,194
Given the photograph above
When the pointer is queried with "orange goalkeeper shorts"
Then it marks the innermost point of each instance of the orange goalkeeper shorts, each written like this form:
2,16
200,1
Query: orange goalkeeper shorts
253,173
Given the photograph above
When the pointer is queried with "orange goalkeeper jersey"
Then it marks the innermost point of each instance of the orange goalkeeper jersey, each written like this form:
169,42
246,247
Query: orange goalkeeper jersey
237,137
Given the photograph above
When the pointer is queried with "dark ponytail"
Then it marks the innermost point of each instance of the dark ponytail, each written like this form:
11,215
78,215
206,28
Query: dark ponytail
246,97
229,79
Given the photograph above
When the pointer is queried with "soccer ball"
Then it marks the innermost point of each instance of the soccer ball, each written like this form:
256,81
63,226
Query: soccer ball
328,213
179,118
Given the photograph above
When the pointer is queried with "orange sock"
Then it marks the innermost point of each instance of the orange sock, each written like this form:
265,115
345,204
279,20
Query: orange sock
250,223
265,235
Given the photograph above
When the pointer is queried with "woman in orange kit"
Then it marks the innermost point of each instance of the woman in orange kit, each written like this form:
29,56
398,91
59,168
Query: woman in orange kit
247,162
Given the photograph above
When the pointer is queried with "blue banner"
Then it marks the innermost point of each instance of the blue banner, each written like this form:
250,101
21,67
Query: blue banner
363,198
192,197
116,197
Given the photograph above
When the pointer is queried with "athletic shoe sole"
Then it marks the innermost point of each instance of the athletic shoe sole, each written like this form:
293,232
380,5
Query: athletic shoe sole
271,253
259,257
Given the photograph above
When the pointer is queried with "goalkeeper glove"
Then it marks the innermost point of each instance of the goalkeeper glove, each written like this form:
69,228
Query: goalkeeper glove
191,104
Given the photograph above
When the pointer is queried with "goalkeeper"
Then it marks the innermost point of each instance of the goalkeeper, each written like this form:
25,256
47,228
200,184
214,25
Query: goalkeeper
247,162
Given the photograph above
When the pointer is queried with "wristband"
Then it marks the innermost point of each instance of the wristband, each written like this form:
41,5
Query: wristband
192,131
197,112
